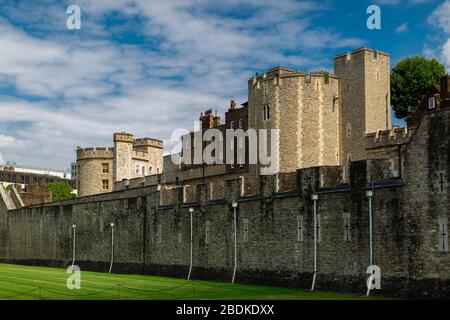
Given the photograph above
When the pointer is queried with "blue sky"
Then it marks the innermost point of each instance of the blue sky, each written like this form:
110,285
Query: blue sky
149,67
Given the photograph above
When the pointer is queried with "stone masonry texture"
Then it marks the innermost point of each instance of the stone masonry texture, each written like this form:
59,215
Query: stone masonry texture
153,238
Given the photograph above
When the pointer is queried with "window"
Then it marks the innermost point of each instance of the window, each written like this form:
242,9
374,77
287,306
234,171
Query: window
207,225
442,183
105,184
347,227
245,230
143,170
105,167
266,110
300,228
431,103
150,169
232,125
349,131
443,234
318,229
241,123
137,169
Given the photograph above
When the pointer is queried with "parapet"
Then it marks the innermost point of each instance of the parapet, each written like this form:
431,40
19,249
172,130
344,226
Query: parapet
123,137
348,56
283,73
386,138
148,142
95,153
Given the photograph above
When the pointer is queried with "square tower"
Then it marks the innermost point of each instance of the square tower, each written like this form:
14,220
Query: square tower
365,98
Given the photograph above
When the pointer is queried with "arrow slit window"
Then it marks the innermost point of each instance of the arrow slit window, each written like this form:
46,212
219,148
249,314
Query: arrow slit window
443,234
300,228
347,227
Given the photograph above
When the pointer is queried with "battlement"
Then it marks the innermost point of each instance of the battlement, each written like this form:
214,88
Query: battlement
386,138
348,56
123,137
95,153
283,73
148,142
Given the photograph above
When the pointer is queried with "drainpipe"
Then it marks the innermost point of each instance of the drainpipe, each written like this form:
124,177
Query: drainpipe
191,211
235,205
315,198
369,194
74,228
112,247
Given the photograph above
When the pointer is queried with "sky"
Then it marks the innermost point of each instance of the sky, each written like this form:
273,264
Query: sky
148,67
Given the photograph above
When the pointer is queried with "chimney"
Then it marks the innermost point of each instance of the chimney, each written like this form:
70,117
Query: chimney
216,121
232,105
207,119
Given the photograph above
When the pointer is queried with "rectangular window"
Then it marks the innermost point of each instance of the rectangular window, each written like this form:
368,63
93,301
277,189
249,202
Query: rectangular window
207,226
105,184
232,125
105,167
442,182
137,169
143,170
443,234
431,103
245,230
266,112
300,228
241,123
347,226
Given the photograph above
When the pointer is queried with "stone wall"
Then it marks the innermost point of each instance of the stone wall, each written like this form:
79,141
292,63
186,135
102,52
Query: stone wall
275,229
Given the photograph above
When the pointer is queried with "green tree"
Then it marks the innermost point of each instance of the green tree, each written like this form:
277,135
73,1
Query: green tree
61,190
410,79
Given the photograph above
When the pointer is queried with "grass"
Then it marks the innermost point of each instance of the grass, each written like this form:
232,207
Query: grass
42,283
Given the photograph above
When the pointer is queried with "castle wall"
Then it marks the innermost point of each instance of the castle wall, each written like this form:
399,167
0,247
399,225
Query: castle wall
123,153
364,96
275,230
90,173
303,108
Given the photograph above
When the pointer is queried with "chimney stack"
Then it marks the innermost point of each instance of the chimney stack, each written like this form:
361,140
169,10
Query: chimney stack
232,105
216,121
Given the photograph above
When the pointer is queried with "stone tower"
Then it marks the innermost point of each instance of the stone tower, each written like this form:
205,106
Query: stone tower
306,110
123,152
364,76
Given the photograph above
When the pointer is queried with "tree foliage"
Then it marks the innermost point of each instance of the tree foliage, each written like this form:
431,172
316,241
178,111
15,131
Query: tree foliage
410,79
61,190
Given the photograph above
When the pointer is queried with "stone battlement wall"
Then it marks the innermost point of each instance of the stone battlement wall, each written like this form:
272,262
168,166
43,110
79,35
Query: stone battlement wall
384,138
95,153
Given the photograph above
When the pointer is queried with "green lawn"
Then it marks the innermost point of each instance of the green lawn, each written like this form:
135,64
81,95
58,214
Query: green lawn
32,283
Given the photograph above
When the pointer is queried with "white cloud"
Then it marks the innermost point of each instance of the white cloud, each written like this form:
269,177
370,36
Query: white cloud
403,2
441,16
85,86
402,28
446,54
